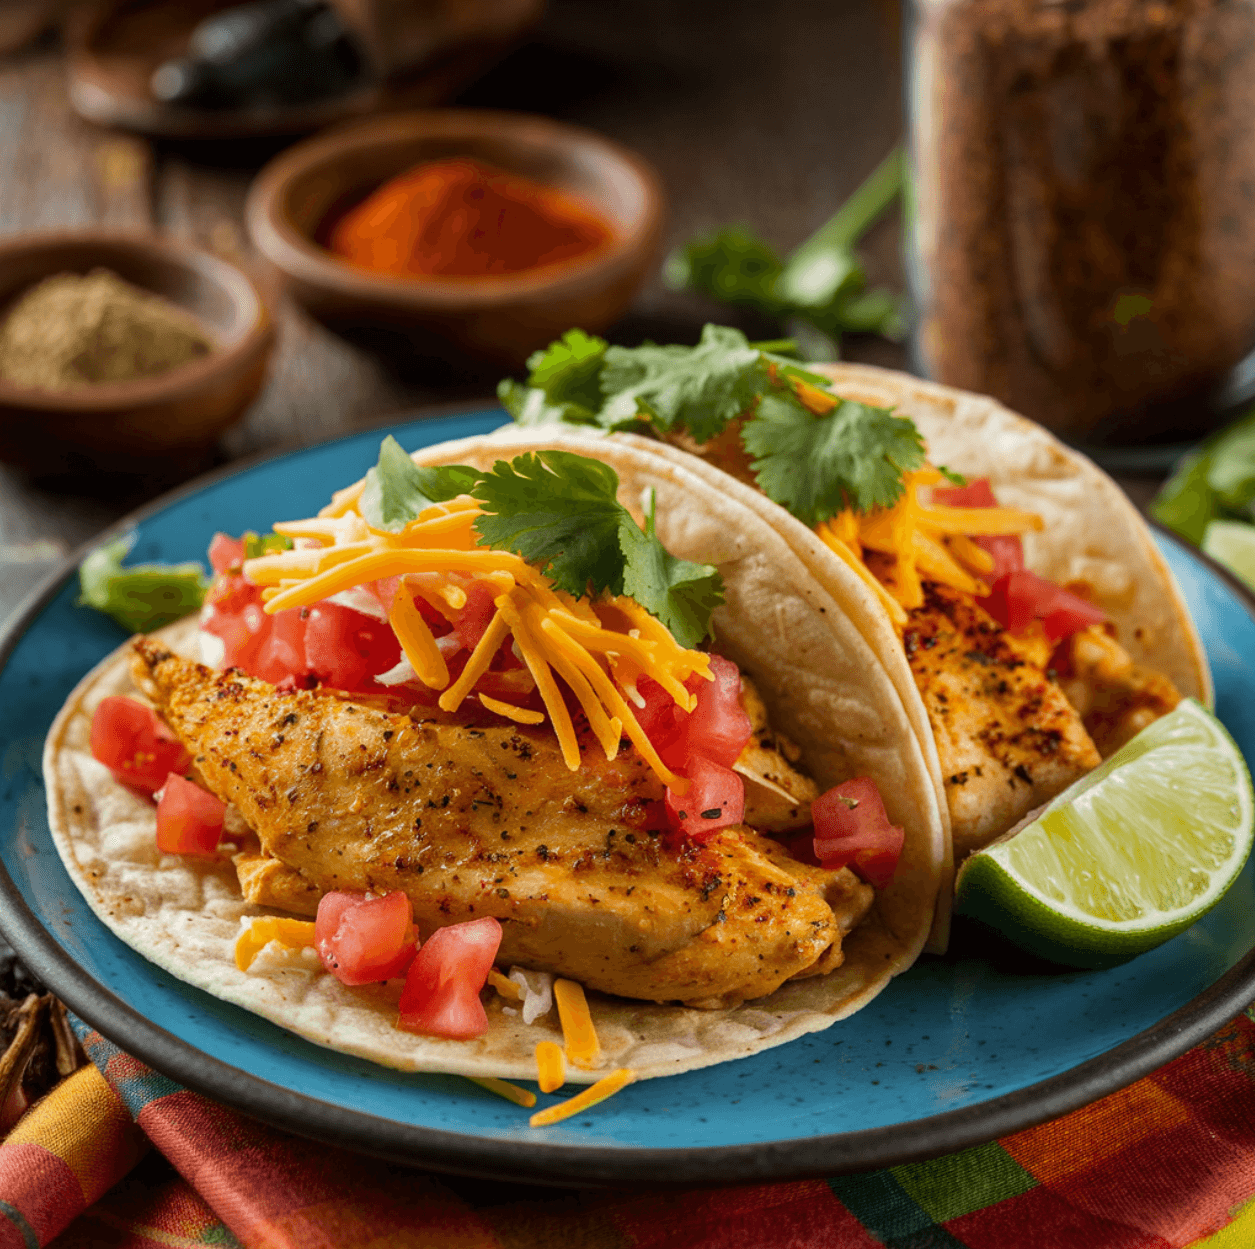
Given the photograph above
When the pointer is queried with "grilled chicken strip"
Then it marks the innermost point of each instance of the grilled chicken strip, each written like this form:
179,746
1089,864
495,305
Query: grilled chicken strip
489,821
1007,737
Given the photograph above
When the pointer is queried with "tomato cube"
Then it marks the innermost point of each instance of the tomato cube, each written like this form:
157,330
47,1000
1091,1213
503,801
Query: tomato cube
715,800
189,818
345,648
977,493
225,552
474,619
441,994
852,829
134,745
363,939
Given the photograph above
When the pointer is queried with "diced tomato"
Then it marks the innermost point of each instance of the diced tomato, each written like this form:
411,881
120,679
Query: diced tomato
363,939
189,819
1007,549
657,717
718,728
281,653
134,745
715,800
1008,553
344,648
385,590
977,493
225,552
474,619
236,616
1021,597
441,994
852,829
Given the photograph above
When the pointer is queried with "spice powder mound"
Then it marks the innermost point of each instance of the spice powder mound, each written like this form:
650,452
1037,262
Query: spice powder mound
71,331
462,218
1085,199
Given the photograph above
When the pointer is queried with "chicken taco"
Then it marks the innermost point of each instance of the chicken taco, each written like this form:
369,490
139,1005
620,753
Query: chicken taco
1018,603
554,717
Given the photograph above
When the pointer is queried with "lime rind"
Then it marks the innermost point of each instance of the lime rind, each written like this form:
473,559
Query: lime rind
1076,888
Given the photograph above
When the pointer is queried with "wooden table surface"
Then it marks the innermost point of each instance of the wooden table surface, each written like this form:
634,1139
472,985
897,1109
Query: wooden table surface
746,120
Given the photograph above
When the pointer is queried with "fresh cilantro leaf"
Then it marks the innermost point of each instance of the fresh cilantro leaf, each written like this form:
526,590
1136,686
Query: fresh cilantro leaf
529,405
734,266
397,489
266,544
559,511
569,370
816,466
697,389
141,598
682,595
955,479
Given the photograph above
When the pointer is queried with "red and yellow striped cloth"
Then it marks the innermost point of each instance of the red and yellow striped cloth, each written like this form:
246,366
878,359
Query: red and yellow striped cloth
1165,1164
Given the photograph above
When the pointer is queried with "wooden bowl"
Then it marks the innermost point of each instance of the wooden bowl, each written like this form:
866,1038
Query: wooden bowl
115,45
155,423
298,197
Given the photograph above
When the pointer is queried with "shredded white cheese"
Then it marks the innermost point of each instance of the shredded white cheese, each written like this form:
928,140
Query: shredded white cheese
537,989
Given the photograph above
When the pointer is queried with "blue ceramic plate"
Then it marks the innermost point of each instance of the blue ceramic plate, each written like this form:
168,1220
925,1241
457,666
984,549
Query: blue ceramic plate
957,1051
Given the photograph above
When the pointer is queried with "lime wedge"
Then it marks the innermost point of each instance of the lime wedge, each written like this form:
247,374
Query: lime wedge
1232,543
1129,855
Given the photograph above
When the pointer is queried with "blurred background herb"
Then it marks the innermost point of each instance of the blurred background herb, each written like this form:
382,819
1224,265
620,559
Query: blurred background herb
1210,498
820,291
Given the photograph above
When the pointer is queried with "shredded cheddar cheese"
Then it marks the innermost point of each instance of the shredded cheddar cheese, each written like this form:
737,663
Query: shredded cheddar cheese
925,541
598,649
550,1066
520,715
608,1086
503,1088
255,936
505,986
579,1034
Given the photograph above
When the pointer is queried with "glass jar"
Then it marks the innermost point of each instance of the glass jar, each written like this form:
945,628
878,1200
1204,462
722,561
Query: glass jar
1082,231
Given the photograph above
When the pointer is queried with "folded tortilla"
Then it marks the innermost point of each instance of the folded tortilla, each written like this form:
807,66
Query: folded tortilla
825,688
1092,533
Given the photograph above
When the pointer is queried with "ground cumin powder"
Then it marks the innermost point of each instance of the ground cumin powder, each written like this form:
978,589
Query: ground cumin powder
1083,240
72,330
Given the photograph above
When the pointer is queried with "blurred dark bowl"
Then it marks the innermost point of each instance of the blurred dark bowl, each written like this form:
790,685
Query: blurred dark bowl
154,424
299,196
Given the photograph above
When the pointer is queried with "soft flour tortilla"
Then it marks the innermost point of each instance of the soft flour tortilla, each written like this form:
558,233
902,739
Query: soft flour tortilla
823,685
1092,533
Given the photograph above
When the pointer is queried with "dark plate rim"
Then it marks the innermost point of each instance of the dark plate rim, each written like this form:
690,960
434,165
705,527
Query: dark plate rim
584,1165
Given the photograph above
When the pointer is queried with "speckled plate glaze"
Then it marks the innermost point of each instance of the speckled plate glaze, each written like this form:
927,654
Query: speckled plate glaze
957,1051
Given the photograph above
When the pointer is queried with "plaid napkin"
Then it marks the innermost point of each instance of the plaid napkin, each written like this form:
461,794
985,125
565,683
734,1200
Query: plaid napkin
1164,1164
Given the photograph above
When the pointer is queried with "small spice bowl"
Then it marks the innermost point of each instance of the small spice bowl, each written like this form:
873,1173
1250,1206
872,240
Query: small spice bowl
298,197
153,424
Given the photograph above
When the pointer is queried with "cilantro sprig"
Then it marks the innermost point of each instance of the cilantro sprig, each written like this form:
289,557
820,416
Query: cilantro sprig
560,512
820,291
852,456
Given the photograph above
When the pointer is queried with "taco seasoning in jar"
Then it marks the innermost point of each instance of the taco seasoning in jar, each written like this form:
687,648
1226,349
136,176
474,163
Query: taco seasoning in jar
1083,229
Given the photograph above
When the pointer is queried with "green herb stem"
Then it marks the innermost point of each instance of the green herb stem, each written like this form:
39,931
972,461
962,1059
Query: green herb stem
863,209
